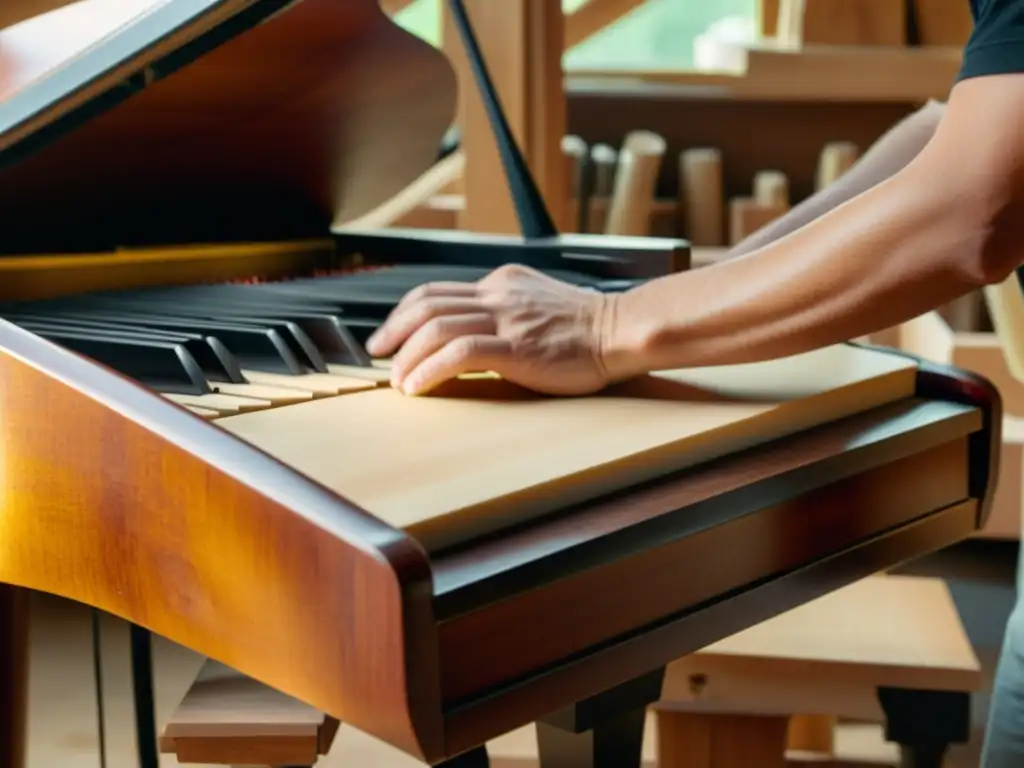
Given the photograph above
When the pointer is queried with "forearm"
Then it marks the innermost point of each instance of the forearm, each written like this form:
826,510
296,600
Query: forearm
890,154
907,245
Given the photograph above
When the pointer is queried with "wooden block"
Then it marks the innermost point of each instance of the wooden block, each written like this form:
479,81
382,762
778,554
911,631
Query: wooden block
689,740
811,733
836,159
855,22
703,201
771,189
633,196
747,216
790,25
941,22
227,718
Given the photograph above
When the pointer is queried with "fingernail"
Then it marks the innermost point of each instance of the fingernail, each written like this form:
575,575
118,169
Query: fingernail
372,341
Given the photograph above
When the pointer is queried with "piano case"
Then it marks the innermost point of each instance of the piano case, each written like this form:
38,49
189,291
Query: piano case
434,571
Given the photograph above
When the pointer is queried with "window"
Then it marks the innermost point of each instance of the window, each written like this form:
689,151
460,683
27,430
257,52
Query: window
657,35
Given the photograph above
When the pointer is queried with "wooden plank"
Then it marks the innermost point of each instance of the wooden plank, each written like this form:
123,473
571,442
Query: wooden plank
855,22
593,16
832,654
481,454
228,718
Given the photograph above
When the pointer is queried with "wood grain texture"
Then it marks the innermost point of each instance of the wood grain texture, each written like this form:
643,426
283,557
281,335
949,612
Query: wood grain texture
507,639
318,114
464,470
228,718
156,516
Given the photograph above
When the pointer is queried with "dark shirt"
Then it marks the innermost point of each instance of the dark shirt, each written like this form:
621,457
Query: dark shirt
996,45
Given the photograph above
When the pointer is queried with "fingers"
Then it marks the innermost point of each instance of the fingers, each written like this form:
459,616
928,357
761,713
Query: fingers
410,315
435,334
464,354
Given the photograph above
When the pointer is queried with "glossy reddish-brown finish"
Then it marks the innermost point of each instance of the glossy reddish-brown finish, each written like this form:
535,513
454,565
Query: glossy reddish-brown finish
114,497
327,108
532,630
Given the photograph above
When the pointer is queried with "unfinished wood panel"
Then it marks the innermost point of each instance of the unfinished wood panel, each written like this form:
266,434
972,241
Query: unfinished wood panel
691,740
767,17
464,468
228,718
522,41
593,16
13,11
855,22
940,22
830,655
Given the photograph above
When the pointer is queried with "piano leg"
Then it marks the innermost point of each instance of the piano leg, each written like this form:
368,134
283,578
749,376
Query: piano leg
925,723
13,675
476,758
604,731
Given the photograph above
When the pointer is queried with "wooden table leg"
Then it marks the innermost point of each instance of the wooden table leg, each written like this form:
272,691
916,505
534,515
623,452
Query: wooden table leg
605,731
13,675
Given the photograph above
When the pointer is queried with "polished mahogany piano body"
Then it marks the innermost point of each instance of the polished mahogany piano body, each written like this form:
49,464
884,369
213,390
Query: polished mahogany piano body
174,187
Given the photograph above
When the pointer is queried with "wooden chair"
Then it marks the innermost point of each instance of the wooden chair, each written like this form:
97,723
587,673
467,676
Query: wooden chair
887,649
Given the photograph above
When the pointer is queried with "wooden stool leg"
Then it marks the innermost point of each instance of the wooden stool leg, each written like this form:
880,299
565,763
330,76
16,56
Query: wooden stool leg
13,675
925,723
700,740
605,731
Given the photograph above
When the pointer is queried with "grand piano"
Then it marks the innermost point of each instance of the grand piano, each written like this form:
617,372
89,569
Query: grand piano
194,438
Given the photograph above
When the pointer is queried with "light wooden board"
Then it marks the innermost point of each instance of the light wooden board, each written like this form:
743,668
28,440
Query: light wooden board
482,454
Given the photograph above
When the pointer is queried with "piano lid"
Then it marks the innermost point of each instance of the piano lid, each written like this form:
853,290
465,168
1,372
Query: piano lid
154,122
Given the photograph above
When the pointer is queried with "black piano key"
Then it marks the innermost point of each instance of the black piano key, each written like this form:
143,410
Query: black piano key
162,366
322,336
216,362
254,347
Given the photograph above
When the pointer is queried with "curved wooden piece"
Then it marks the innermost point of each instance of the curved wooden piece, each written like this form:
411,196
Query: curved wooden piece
316,114
117,498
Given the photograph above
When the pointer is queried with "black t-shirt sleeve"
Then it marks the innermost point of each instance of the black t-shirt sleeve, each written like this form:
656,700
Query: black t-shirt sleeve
996,46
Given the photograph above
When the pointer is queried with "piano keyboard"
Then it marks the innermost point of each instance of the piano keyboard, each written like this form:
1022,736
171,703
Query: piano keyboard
224,349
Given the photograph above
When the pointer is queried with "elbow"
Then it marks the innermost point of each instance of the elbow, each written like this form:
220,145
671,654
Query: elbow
992,241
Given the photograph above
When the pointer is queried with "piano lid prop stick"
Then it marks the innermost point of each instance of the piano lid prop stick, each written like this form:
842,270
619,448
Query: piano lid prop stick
703,198
836,159
532,212
633,197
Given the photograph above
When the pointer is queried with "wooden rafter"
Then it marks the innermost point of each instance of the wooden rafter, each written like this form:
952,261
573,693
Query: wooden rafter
593,16
391,7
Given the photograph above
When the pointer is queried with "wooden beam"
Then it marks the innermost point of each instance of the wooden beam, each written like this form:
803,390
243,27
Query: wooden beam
522,41
391,7
593,16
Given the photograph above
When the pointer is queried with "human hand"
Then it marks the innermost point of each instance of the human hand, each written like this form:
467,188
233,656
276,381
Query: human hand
528,328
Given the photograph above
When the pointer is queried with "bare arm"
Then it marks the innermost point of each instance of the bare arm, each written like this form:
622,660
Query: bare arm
949,222
889,155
